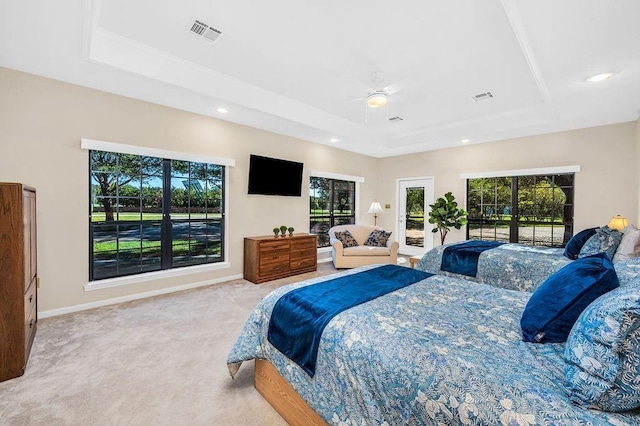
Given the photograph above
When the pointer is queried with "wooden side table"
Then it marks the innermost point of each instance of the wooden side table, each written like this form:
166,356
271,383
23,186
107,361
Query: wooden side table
414,259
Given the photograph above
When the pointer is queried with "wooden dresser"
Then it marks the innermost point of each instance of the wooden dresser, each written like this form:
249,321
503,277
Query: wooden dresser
268,258
18,277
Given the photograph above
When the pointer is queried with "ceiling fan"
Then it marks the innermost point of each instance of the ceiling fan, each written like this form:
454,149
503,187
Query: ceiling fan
379,95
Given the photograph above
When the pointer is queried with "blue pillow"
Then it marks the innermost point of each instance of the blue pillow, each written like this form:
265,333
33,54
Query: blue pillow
602,354
573,247
556,305
605,240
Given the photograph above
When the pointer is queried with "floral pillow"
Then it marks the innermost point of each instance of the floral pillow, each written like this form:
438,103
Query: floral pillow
346,239
377,238
602,353
605,240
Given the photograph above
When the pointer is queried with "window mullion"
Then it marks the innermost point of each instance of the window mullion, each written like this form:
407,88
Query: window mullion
165,238
515,216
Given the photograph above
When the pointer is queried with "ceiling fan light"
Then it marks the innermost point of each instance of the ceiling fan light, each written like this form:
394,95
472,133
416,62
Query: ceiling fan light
377,100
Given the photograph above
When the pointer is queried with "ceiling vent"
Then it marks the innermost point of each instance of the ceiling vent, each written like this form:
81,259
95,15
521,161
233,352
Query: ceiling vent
482,96
396,118
204,31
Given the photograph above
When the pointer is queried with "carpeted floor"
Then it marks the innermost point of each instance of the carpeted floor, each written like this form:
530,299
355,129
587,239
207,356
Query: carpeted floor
157,361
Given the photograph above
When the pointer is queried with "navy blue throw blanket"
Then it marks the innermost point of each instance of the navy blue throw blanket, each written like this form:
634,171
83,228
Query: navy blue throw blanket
300,316
463,258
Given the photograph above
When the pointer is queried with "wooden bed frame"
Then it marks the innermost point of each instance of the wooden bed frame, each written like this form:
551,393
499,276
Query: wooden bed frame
282,397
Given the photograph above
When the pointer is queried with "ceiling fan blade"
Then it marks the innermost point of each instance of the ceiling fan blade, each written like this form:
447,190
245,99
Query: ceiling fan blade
394,88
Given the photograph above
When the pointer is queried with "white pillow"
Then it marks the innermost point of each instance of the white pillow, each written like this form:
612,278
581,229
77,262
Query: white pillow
629,246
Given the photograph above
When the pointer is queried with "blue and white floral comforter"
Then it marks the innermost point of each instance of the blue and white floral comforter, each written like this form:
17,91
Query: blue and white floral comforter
442,351
510,266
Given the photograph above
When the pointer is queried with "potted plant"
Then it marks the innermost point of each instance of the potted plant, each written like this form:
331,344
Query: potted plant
445,214
283,230
276,231
290,229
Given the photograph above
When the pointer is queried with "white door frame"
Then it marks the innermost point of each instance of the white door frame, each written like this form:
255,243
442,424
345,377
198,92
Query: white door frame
427,182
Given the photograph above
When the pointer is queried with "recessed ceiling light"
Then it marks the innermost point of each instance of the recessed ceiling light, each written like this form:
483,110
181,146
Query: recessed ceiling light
334,139
464,140
222,110
599,77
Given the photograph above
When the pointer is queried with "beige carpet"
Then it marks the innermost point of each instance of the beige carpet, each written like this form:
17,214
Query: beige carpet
157,361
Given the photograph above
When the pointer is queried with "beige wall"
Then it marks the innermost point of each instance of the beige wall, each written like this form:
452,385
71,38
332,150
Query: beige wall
42,122
607,184
638,163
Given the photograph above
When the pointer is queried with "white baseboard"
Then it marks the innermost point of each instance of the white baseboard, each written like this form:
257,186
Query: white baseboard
137,296
324,260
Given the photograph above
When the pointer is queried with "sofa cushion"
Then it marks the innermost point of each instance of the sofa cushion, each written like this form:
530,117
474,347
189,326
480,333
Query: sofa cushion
346,239
573,247
556,305
366,251
602,353
605,240
377,238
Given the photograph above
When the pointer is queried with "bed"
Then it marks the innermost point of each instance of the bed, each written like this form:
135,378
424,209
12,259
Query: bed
440,351
511,266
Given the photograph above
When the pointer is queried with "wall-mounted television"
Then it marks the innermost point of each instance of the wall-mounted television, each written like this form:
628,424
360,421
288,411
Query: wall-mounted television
273,176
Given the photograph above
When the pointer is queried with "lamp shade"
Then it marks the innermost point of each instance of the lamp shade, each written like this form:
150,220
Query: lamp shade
375,208
618,223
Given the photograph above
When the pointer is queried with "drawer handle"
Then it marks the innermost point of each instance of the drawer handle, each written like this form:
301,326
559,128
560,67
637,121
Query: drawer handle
31,324
31,298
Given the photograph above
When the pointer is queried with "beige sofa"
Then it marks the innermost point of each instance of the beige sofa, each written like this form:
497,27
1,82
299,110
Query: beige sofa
352,257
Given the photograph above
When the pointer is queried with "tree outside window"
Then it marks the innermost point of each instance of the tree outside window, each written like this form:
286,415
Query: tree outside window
331,203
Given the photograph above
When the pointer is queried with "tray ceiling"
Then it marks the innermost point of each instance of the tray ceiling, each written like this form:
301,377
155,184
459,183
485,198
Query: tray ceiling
305,68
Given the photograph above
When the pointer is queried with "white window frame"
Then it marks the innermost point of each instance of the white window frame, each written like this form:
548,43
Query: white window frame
92,144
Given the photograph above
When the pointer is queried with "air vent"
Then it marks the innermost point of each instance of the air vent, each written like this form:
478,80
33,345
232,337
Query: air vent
482,96
396,118
204,31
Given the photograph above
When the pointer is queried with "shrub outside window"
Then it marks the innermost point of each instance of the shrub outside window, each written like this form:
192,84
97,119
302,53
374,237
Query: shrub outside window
534,210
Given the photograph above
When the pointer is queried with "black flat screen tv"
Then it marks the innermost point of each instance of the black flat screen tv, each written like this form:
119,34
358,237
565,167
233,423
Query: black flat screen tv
272,176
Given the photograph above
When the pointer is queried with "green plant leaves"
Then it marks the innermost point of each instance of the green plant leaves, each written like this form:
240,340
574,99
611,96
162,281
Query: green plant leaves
445,214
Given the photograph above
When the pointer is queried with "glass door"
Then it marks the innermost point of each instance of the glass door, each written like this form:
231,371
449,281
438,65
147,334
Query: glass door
414,230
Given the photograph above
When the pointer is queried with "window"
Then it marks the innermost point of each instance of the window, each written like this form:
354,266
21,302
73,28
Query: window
331,202
149,214
533,210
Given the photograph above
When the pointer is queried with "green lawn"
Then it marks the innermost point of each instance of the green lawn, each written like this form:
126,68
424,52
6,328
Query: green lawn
180,247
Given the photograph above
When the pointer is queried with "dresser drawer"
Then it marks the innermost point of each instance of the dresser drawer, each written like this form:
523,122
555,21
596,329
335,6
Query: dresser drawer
29,300
303,263
304,253
305,243
275,245
273,268
29,331
278,256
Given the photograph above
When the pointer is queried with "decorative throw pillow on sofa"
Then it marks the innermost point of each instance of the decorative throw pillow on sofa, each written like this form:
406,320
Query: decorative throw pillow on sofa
602,353
346,239
377,238
573,247
556,305
629,245
605,240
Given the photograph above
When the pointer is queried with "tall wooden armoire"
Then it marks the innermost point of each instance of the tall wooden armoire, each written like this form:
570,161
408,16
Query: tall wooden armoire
18,277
